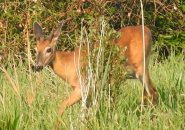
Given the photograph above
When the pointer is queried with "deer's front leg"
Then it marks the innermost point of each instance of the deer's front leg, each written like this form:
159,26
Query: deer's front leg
74,97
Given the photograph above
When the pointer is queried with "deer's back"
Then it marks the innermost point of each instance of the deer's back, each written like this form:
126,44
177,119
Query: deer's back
131,40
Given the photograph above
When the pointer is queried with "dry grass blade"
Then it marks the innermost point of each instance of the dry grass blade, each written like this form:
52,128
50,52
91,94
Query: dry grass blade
13,85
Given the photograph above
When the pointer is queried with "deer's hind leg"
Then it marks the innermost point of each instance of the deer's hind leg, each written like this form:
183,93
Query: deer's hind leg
150,92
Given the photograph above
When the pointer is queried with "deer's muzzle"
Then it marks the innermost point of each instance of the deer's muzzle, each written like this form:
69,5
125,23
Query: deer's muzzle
37,68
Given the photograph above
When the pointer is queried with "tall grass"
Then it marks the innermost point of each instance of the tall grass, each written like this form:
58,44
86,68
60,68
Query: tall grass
123,113
114,105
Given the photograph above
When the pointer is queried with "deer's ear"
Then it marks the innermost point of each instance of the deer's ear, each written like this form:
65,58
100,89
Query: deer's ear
56,34
53,37
37,29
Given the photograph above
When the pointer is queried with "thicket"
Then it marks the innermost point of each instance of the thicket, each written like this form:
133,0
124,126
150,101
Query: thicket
166,18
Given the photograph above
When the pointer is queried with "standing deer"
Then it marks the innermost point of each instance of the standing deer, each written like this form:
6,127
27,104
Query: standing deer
64,63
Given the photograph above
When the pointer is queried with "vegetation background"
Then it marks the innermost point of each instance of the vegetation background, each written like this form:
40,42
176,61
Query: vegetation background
30,101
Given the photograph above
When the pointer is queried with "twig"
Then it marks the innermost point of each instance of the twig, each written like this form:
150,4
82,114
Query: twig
144,63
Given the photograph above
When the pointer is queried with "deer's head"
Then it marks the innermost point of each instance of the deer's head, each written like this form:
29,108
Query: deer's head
45,48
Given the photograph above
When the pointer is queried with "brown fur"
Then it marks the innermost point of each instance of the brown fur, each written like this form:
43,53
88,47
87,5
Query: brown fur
65,64
131,38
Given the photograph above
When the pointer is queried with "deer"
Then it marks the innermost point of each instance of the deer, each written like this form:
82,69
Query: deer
64,63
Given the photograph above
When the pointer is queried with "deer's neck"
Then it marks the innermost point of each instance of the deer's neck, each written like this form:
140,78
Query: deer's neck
51,64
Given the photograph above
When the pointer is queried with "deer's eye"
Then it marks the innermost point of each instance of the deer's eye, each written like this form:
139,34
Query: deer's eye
48,50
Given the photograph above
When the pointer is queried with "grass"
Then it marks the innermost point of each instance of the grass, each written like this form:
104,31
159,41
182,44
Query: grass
41,94
30,101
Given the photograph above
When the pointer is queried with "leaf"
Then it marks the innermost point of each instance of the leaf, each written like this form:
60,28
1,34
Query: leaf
15,123
166,36
183,8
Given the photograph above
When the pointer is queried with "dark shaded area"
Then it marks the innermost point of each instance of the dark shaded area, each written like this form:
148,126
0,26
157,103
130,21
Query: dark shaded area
166,20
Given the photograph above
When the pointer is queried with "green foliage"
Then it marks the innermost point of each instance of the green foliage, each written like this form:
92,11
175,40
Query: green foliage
123,112
172,41
17,17
117,105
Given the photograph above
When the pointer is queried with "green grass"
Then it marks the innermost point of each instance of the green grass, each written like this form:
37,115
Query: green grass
124,112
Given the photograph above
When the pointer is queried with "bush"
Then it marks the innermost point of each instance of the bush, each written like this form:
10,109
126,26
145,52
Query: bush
16,19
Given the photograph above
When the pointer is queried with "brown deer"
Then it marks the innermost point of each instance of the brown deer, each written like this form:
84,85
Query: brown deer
64,63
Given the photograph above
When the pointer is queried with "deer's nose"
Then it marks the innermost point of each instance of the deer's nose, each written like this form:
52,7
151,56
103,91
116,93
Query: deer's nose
37,68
